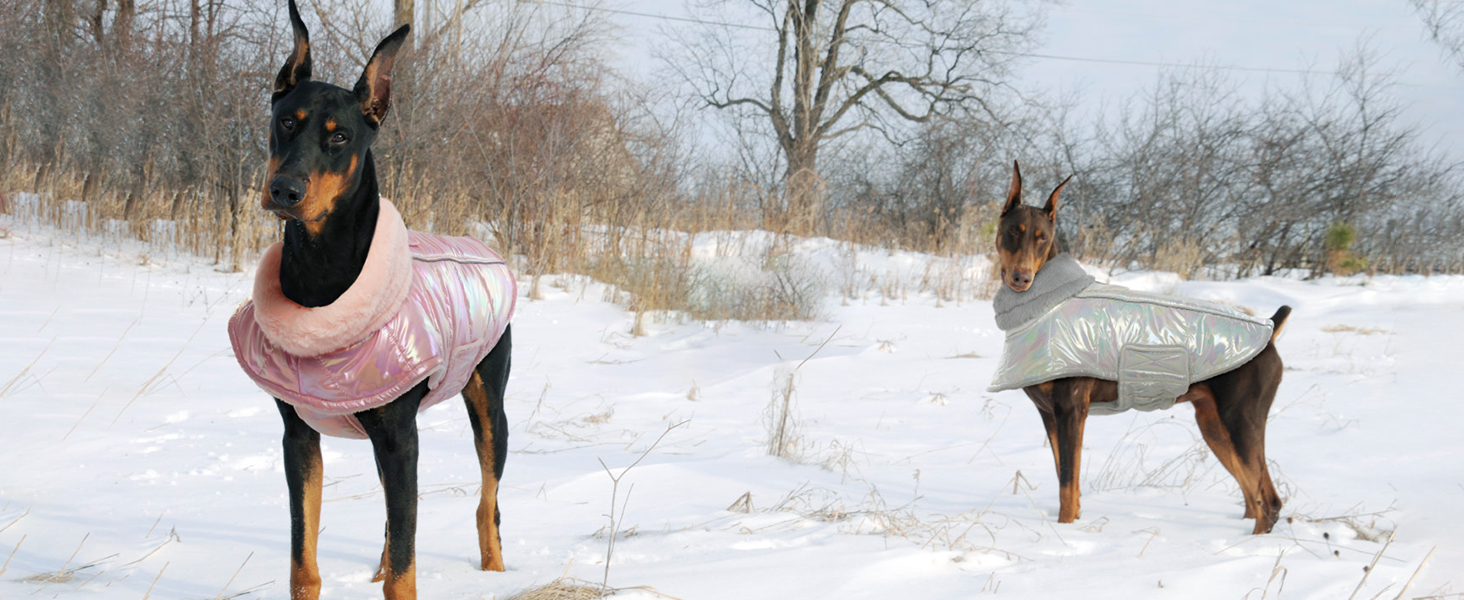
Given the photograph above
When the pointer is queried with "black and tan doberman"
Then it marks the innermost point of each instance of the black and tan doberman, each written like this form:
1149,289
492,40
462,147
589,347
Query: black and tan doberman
322,181
1231,408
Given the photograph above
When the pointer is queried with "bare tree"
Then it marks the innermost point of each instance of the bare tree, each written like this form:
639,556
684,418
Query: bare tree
1444,21
841,66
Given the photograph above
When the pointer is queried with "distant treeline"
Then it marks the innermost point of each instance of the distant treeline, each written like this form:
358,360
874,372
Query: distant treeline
1195,177
507,114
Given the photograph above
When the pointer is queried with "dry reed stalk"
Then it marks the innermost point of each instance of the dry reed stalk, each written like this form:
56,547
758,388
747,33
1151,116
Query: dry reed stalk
154,584
65,575
84,415
12,555
89,580
1415,573
15,520
1368,571
232,577
1153,536
155,376
172,536
1276,570
48,319
75,552
27,369
115,346
155,526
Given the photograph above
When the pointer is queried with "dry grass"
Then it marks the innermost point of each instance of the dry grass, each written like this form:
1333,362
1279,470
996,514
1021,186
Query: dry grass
1181,256
1240,307
1338,328
1366,526
972,531
1129,463
564,589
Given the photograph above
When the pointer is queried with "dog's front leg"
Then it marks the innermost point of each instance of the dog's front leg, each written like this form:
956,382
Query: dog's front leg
302,475
393,432
1070,411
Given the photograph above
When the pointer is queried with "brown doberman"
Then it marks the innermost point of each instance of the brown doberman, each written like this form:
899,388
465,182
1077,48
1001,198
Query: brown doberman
1230,408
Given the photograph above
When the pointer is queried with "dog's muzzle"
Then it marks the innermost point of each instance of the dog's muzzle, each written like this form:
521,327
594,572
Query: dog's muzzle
286,192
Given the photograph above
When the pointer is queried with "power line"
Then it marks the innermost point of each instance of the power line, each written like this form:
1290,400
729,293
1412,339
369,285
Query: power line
1146,63
1044,56
657,16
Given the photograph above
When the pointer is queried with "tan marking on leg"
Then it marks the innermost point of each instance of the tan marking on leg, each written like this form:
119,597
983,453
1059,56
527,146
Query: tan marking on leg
1268,501
1049,424
1070,492
305,578
490,546
380,574
402,586
1217,437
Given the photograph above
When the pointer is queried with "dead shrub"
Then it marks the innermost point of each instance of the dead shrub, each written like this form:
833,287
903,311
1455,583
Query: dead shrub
564,589
1179,256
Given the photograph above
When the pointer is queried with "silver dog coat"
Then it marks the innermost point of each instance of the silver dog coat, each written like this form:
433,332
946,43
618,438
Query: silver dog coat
1153,345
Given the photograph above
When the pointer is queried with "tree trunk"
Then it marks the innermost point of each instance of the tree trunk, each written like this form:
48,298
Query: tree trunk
800,144
805,189
122,23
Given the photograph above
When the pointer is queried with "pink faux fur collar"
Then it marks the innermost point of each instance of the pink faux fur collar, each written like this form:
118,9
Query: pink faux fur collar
371,301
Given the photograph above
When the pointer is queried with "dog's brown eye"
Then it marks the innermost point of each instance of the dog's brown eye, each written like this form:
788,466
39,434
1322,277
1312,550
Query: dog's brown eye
338,138
287,124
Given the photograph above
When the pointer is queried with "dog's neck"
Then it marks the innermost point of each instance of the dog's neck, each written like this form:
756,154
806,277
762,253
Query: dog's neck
316,269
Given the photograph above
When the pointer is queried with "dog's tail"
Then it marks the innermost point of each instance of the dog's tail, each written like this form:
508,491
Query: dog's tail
1278,321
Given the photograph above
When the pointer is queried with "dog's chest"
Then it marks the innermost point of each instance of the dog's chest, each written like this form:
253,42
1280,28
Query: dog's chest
460,302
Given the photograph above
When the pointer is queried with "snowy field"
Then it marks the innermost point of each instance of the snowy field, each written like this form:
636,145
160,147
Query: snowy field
135,456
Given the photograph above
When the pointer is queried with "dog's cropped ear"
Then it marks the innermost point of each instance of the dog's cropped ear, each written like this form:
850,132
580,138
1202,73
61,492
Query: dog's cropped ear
297,66
1014,194
1051,208
373,89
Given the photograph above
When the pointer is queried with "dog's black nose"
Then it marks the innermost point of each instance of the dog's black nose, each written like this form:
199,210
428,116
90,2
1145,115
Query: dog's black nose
286,192
1022,279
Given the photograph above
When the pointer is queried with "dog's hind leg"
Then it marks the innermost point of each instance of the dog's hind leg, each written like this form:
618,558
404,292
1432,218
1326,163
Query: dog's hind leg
1217,437
393,432
484,397
1245,409
302,476
1231,410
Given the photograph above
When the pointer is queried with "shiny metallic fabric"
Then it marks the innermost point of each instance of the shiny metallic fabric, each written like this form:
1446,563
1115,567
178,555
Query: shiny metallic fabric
461,299
1153,345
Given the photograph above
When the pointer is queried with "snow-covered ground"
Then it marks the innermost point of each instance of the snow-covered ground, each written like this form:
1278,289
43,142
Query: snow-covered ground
135,456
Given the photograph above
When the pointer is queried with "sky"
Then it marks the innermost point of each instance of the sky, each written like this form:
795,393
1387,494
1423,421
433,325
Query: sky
1251,35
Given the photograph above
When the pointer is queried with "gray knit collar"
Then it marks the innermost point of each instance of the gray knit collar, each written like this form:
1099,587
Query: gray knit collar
1058,279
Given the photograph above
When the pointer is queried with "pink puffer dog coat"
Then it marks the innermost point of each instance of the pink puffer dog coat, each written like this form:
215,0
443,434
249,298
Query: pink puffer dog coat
424,307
